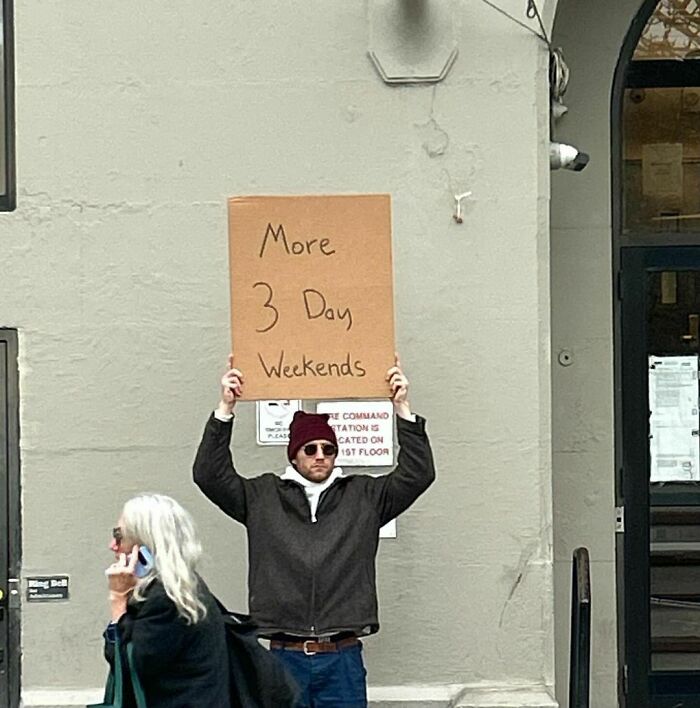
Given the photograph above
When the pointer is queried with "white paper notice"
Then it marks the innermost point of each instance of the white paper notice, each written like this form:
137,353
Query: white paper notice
673,420
662,169
274,418
365,431
388,530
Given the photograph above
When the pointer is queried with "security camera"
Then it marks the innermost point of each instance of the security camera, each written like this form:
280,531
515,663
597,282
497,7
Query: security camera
567,156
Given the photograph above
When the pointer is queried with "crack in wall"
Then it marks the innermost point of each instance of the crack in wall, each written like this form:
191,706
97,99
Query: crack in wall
521,569
436,140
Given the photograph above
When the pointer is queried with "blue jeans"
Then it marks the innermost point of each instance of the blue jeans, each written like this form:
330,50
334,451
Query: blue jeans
328,680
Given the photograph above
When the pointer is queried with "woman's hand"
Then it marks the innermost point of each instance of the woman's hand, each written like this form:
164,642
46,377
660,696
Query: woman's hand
122,580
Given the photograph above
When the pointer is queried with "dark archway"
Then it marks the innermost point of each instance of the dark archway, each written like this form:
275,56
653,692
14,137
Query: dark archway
656,264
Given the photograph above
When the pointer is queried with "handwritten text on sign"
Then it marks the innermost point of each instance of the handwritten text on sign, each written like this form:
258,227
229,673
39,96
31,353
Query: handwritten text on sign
311,295
365,432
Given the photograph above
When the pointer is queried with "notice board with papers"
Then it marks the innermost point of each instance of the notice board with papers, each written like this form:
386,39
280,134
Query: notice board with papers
673,419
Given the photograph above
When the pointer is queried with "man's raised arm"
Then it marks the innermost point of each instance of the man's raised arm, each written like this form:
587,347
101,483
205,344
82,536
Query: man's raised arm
415,469
213,470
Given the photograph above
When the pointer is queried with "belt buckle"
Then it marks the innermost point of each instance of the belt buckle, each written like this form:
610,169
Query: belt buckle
306,651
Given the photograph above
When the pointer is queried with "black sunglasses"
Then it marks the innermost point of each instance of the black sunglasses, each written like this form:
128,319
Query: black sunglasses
326,448
117,534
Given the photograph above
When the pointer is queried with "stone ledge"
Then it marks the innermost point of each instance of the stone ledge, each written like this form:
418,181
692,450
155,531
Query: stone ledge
60,698
419,696
462,696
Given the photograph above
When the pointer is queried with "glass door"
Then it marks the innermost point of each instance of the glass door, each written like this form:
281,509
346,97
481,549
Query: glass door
660,291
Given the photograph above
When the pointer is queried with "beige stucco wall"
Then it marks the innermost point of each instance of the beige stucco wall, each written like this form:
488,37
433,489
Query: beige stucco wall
591,35
135,122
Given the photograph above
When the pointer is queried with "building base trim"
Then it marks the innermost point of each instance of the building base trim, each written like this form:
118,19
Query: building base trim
406,696
462,696
61,698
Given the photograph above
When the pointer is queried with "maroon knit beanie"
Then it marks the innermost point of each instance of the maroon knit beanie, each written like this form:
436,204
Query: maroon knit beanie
306,427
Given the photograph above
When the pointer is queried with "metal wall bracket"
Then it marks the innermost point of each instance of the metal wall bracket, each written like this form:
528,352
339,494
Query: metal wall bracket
413,78
412,41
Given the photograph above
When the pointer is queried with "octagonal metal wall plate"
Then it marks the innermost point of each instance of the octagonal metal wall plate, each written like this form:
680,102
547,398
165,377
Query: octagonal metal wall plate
412,41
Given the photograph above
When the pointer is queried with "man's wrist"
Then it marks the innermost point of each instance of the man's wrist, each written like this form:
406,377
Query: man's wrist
224,411
403,410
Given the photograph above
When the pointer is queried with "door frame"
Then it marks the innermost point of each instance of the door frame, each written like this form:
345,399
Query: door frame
11,515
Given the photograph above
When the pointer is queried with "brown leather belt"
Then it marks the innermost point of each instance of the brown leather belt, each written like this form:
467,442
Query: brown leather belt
311,646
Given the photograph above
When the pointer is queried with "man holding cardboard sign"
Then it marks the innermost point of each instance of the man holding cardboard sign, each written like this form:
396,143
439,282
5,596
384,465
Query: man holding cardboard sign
313,536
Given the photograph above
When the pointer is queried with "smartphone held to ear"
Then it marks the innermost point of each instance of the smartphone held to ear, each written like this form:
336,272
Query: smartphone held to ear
144,562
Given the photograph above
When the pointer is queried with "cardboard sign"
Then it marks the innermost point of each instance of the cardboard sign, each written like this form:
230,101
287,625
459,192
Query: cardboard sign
365,432
312,295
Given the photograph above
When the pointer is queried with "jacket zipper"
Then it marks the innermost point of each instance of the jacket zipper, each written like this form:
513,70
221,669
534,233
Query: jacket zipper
312,626
321,498
313,579
312,613
313,576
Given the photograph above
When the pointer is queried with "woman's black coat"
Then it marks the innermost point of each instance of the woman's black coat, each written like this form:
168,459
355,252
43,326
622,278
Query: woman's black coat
179,665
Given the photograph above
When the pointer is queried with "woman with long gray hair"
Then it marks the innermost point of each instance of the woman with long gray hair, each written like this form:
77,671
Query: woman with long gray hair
165,644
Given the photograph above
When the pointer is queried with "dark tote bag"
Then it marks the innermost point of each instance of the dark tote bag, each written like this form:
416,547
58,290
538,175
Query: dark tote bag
258,679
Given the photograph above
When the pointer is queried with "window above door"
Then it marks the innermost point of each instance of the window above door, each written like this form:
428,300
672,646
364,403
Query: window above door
673,32
661,159
661,130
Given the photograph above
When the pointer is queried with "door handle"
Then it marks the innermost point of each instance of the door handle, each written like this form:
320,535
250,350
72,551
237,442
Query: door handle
693,336
13,599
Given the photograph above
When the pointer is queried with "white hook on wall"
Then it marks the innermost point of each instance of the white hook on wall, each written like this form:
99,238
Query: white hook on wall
457,216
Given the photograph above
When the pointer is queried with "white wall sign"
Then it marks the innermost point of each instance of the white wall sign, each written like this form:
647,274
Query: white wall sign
388,530
365,431
274,418
673,424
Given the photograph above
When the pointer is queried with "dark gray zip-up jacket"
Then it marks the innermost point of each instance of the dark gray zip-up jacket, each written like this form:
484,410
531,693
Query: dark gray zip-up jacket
305,578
